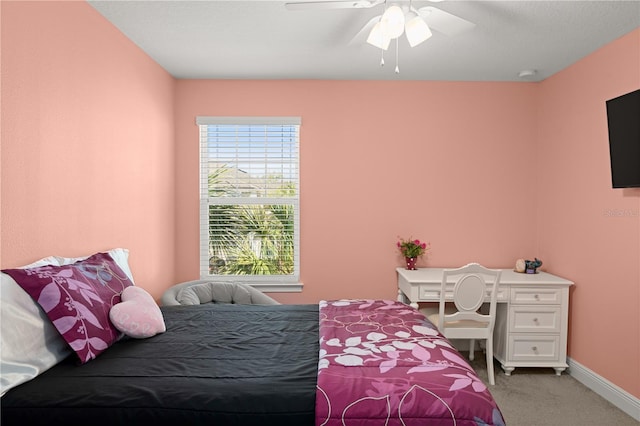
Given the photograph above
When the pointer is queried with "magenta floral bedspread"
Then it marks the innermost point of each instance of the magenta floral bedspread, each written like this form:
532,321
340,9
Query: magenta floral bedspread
383,363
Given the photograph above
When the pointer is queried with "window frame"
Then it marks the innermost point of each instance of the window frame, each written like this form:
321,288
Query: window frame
270,283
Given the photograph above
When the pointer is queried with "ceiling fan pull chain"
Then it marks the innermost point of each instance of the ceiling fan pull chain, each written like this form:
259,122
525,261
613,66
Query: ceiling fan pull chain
397,68
381,58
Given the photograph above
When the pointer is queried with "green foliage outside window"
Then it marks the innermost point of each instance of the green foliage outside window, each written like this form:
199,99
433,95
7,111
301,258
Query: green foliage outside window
250,239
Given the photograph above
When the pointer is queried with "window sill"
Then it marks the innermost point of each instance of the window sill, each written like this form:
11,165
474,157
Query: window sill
278,287
268,284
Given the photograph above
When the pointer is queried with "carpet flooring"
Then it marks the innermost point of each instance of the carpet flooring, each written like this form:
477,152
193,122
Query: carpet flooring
537,397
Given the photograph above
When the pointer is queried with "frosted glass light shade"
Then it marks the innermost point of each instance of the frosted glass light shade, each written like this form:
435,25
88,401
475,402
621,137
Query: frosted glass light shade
392,22
378,38
416,29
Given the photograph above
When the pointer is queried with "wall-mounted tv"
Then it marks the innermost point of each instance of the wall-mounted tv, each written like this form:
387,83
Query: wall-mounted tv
623,117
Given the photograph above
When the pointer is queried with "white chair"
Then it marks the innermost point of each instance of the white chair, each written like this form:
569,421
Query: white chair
466,321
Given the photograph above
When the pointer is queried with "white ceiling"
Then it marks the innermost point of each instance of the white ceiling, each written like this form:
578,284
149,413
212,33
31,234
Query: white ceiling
264,40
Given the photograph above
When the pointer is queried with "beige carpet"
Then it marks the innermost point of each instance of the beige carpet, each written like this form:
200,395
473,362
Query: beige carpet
537,397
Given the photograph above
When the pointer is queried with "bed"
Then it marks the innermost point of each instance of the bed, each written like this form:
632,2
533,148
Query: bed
341,362
216,364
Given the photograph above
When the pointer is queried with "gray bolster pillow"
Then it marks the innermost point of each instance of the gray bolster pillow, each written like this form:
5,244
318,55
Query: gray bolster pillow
199,292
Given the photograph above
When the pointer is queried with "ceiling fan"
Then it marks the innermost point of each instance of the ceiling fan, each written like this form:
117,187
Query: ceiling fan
435,18
397,18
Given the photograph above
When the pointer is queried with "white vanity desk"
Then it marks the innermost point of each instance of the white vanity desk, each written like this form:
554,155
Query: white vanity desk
531,318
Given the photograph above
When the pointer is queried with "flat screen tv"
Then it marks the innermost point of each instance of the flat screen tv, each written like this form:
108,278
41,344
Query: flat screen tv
623,117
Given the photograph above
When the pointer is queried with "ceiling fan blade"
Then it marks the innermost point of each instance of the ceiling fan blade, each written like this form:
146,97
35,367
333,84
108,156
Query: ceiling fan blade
444,22
332,4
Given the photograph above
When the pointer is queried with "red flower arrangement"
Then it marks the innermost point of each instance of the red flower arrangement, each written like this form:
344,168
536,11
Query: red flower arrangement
412,248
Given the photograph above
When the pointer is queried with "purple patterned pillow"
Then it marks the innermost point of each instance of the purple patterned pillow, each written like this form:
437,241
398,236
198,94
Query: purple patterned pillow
77,299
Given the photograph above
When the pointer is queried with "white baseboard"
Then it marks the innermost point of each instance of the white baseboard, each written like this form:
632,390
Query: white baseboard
612,393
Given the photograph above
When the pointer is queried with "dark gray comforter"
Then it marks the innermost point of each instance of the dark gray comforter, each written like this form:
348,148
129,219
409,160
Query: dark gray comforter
216,364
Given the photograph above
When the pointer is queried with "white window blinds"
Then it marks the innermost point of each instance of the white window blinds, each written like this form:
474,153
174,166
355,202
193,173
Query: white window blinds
249,193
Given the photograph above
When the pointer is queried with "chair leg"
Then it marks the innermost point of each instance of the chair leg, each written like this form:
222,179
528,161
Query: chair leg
489,350
472,349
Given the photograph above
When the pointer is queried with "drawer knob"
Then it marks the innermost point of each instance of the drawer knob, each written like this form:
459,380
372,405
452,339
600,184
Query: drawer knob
536,296
535,320
534,348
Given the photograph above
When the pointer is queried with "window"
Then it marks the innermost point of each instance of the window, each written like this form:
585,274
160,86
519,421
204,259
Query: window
249,200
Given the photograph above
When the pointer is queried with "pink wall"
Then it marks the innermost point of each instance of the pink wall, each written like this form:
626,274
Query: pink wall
444,162
486,172
588,231
87,142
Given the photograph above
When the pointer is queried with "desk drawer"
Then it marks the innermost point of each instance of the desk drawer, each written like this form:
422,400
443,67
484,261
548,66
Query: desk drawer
533,296
534,319
526,347
432,292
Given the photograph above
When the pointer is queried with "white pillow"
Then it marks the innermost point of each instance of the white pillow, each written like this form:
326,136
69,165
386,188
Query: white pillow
29,343
119,255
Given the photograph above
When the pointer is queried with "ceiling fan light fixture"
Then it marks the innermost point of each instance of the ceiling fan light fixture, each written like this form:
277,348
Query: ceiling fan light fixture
378,38
416,29
392,21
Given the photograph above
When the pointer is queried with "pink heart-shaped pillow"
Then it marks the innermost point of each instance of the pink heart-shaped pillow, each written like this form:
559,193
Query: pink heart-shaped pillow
138,315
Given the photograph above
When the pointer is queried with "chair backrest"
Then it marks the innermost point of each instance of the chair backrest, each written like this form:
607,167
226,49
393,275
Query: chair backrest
469,293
